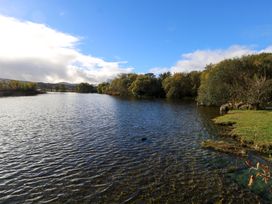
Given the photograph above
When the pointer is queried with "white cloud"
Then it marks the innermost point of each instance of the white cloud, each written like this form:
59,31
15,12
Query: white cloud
267,49
35,52
158,70
197,60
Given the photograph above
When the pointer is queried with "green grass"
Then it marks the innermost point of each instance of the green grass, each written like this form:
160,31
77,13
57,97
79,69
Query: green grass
250,126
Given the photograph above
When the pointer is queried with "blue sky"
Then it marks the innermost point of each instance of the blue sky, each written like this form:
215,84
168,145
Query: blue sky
152,34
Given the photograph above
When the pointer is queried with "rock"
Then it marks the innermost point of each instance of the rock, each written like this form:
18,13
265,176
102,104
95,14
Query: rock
144,139
224,109
238,105
246,106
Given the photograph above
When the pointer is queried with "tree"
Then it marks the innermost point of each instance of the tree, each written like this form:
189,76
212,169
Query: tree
258,91
62,88
14,85
120,85
164,75
244,79
85,88
182,85
146,86
103,88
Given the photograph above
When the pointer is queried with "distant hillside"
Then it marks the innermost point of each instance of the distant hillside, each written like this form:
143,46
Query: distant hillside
62,86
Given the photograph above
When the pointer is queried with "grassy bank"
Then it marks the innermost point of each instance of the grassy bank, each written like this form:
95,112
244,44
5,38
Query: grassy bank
251,128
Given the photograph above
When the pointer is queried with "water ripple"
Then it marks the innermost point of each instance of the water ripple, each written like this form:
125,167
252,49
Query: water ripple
76,148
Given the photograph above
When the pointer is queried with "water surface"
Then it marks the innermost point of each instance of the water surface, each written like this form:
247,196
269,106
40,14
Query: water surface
88,148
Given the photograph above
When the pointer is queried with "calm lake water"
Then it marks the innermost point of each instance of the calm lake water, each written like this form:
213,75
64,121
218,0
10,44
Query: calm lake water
88,148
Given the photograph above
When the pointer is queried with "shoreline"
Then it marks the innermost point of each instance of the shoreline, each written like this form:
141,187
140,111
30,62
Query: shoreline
250,129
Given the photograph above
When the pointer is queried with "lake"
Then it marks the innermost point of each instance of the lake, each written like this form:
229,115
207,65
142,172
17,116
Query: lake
90,148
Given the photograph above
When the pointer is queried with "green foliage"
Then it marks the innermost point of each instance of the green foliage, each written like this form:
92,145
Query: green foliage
246,79
13,85
164,75
146,86
133,85
17,88
181,85
120,85
85,88
103,88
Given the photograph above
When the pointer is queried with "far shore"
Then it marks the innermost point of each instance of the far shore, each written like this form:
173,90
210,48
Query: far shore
20,93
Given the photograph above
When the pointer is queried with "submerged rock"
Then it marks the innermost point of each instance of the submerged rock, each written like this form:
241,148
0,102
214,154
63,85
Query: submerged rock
225,147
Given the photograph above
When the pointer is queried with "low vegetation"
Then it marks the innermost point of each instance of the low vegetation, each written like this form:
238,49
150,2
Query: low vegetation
251,128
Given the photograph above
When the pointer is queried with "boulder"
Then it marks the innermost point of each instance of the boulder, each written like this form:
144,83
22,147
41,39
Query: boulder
238,105
246,106
224,109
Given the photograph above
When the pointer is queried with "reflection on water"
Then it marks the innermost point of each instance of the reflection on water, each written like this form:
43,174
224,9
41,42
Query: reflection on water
76,148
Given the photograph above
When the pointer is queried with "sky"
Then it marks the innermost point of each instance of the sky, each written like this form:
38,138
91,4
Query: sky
95,40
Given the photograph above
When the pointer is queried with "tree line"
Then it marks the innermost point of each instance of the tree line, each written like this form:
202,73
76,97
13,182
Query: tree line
247,79
17,88
178,85
66,87
13,85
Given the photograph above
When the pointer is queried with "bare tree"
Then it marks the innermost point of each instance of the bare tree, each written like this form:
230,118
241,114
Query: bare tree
258,90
